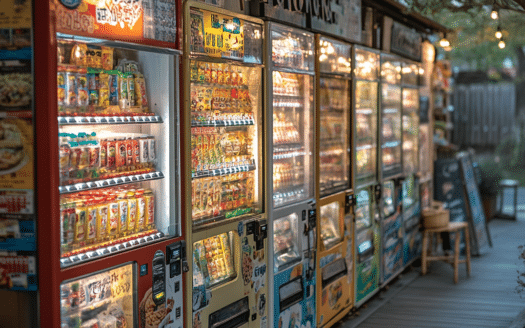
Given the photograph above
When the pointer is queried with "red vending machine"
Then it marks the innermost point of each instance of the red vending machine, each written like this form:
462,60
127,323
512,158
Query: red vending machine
110,245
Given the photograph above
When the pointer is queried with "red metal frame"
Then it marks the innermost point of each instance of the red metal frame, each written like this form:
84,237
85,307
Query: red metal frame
50,275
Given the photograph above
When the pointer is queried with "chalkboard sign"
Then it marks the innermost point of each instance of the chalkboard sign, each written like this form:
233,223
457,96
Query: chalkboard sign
452,181
477,216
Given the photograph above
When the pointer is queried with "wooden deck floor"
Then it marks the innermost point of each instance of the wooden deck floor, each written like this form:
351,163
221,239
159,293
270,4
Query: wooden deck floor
486,299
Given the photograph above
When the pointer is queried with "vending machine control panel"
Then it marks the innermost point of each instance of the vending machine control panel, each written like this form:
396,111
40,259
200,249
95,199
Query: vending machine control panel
175,262
259,229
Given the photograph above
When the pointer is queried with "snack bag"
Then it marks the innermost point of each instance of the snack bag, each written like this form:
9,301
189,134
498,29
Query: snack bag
114,87
94,56
103,96
140,92
107,58
82,88
131,89
79,55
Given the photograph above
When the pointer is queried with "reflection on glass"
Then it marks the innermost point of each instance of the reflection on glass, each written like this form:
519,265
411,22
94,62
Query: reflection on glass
390,70
330,229
410,99
366,65
213,260
225,104
410,74
292,49
101,300
286,248
362,211
334,57
388,195
366,129
410,142
409,192
391,128
333,153
292,137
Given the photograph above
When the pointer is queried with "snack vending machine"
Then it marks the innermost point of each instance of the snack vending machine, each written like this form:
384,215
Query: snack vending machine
391,231
391,145
410,193
290,175
335,197
368,191
108,182
223,173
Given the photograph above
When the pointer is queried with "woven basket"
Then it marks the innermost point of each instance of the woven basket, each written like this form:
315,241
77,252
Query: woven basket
435,217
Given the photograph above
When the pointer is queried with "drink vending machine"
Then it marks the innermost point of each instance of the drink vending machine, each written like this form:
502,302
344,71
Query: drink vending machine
107,173
290,175
368,190
223,168
334,181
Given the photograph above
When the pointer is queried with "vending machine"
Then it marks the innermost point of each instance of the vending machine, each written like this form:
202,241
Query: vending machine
391,128
335,197
291,174
368,190
410,189
391,231
111,251
223,168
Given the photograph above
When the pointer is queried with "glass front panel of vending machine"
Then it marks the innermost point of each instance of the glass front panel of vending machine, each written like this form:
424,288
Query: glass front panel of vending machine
104,299
389,201
226,117
286,242
363,217
213,260
292,115
330,228
391,130
334,156
117,146
410,130
366,130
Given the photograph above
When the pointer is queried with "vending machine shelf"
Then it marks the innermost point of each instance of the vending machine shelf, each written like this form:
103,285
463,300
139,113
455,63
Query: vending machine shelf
224,123
128,119
118,245
224,171
110,182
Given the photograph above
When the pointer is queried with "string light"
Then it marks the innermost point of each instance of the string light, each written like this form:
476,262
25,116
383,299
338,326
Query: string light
498,33
501,44
444,43
494,14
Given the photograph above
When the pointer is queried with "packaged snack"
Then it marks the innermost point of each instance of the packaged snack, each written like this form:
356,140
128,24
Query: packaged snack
150,209
141,210
80,223
61,87
82,88
114,88
123,100
103,97
103,153
83,157
144,150
93,87
102,221
91,222
94,56
71,87
121,152
60,53
78,55
136,151
132,210
107,58
123,213
129,152
113,222
152,153
227,75
200,70
140,92
64,154
131,90
194,76
111,153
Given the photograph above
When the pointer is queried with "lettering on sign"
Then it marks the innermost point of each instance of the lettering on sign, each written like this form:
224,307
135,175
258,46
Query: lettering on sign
74,21
321,9
120,12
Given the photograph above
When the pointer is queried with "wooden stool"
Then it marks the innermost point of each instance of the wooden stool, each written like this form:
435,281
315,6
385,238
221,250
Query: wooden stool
428,255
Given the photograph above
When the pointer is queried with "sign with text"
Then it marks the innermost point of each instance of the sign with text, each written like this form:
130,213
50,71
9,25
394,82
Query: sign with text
130,20
406,41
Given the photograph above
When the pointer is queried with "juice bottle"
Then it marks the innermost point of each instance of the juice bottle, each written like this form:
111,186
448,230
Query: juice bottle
150,209
141,210
102,219
132,211
79,235
123,213
113,221
91,221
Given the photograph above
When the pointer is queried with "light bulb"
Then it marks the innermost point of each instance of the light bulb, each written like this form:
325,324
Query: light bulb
494,14
501,44
498,34
444,43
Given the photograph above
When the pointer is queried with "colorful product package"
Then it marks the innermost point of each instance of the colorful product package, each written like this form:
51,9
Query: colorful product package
79,55
82,89
123,100
140,92
94,56
107,58
113,87
61,87
131,90
103,97
71,87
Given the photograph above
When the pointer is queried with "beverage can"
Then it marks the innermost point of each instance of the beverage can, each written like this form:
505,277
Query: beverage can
113,222
132,211
102,220
123,214
150,209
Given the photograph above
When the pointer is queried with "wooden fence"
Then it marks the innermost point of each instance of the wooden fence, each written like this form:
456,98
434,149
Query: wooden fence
483,114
